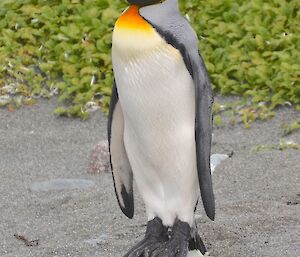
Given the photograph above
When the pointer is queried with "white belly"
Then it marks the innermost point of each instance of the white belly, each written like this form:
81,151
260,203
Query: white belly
157,96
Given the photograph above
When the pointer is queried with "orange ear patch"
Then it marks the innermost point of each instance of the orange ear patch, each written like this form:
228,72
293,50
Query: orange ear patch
131,19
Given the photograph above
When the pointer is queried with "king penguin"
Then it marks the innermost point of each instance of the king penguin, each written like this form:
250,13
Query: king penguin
160,126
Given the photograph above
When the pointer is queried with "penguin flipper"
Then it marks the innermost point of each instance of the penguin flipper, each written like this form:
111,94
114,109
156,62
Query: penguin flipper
120,166
203,135
176,31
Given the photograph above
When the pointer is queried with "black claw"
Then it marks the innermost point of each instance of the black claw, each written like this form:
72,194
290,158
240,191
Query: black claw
178,244
149,250
156,234
196,243
200,245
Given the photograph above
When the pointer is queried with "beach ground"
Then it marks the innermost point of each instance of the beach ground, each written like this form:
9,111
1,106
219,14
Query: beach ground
257,193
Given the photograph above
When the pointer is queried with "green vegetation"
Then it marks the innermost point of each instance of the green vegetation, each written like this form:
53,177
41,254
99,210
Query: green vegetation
281,146
251,48
290,128
58,47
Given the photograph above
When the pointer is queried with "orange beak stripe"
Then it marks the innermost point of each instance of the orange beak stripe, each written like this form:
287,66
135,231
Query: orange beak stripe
131,19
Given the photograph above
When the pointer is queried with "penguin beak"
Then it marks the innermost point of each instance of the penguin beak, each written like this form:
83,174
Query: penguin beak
143,2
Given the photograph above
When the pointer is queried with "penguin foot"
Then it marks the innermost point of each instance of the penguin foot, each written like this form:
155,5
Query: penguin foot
156,234
178,244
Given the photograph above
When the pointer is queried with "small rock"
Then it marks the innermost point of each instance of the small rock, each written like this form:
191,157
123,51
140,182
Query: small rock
99,159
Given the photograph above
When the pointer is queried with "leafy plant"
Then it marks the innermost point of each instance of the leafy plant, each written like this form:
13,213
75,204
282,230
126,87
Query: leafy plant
290,128
62,47
282,145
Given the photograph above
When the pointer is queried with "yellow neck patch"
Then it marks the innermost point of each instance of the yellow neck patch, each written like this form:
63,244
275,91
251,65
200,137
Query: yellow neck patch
131,19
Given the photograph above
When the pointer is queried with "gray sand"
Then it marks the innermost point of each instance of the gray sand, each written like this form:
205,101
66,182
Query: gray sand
257,194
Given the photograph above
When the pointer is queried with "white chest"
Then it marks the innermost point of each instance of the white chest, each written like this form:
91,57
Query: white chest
152,82
156,91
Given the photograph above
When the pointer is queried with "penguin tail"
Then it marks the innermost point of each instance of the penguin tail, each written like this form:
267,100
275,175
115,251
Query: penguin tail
196,243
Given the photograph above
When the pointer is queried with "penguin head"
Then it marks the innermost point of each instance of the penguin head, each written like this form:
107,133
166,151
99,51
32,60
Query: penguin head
144,2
